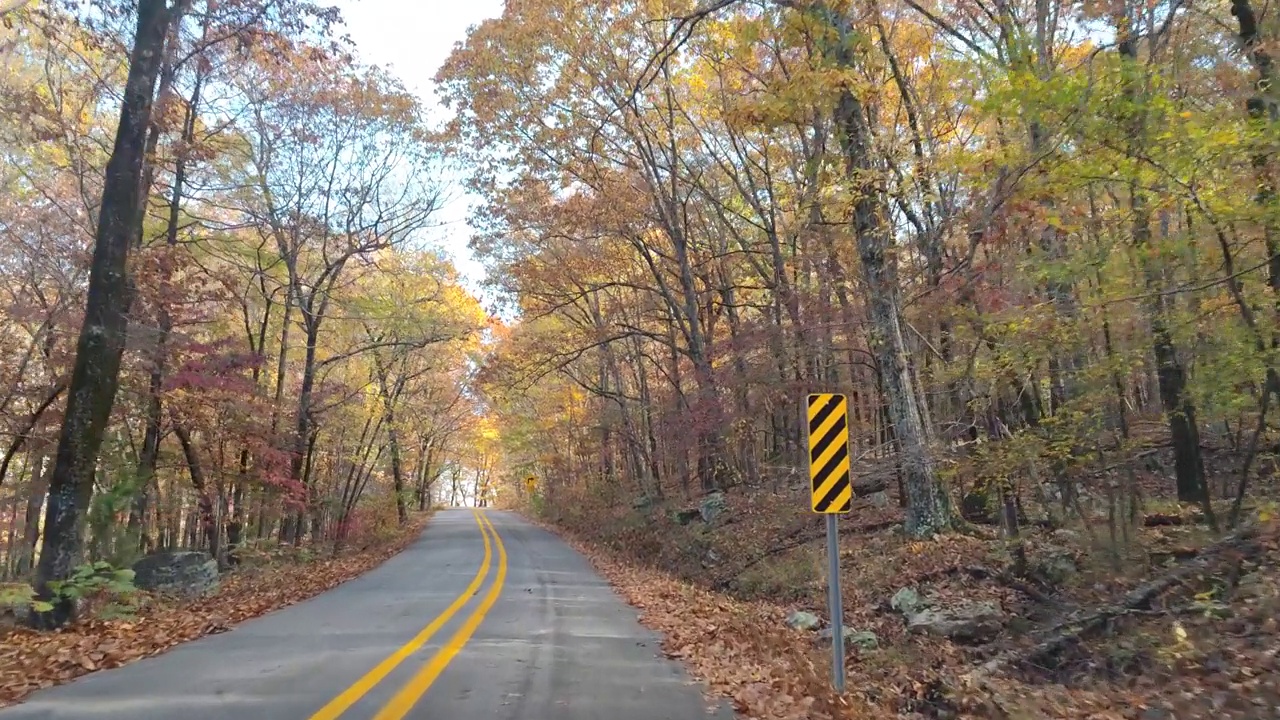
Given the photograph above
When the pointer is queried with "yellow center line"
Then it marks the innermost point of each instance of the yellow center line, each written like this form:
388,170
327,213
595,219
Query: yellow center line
418,685
351,695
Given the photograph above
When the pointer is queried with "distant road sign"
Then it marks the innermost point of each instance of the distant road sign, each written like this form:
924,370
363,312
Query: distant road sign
829,453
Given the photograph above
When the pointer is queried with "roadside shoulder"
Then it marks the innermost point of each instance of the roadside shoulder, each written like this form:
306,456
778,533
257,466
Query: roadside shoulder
31,660
741,650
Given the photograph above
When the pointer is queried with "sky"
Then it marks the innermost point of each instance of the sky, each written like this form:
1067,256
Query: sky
413,38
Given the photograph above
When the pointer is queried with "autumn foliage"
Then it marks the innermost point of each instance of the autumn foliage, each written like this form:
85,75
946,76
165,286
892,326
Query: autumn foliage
1033,243
290,342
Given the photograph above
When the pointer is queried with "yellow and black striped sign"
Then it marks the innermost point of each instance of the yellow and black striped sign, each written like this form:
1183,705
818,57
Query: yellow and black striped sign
829,453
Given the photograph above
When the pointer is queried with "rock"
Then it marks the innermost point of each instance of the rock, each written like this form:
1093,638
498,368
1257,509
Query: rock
23,615
15,615
642,503
863,487
801,620
1065,536
864,640
712,506
1055,566
710,559
974,623
688,515
1050,491
179,572
879,499
906,601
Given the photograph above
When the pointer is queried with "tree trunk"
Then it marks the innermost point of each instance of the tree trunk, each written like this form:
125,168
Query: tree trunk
208,525
1170,373
397,471
928,507
424,482
1263,112
164,321
35,503
150,447
95,377
302,428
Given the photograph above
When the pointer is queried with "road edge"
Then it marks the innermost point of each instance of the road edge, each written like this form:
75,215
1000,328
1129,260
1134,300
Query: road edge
31,660
716,689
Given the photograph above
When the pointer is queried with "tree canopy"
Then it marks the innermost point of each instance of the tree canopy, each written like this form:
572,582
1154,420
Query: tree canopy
294,353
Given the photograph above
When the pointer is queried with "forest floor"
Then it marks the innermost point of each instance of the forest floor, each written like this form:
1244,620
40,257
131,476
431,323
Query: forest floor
110,636
1173,624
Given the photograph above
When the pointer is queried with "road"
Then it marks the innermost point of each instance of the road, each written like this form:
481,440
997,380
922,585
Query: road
457,627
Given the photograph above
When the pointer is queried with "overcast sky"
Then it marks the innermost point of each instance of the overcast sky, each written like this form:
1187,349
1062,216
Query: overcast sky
414,38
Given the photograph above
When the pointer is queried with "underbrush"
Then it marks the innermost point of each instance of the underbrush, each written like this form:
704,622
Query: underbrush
1173,622
797,577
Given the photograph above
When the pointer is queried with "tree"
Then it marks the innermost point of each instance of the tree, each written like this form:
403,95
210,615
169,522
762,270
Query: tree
975,222
180,228
95,376
344,176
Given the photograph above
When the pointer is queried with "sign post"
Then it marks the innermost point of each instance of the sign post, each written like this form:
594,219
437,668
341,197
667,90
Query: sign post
832,495
837,603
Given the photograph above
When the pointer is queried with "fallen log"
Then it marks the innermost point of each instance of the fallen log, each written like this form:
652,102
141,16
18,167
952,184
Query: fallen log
1005,578
1137,599
977,572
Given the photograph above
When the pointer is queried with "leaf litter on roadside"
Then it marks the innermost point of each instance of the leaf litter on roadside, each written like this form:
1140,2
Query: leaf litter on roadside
31,660
743,650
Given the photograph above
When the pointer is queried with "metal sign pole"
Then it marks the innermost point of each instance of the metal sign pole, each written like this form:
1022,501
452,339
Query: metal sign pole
837,605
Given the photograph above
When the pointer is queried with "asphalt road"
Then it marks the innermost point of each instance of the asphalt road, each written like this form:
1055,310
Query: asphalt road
519,629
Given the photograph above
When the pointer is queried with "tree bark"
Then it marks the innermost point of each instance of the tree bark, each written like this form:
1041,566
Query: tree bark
928,506
95,377
31,522
393,443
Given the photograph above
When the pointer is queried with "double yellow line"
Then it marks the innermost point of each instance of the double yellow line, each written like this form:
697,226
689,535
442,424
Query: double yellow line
417,686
